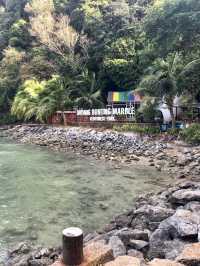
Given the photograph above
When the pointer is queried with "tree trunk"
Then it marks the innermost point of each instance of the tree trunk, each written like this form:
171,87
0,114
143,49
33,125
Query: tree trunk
172,116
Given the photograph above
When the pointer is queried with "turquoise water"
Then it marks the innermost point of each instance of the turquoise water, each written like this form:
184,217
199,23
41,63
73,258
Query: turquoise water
42,192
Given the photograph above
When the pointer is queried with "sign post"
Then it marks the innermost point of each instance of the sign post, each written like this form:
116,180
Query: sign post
109,114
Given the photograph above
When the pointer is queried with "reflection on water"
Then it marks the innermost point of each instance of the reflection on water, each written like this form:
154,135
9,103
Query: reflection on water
42,192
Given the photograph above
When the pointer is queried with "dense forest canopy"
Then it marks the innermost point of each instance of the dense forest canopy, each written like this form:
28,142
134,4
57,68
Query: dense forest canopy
58,54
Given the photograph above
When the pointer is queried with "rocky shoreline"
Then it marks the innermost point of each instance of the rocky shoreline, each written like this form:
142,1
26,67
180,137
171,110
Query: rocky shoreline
165,226
177,158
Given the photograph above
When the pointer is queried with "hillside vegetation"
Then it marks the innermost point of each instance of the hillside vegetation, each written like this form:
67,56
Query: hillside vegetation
57,54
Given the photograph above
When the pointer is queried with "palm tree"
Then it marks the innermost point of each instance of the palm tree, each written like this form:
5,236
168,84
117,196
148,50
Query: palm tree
189,80
161,82
38,100
85,92
24,107
169,78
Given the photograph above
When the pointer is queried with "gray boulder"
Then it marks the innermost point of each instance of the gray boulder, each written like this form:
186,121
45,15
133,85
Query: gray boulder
157,248
183,225
18,261
123,220
149,216
135,253
126,234
162,247
117,246
184,196
193,206
139,245
188,185
173,248
40,262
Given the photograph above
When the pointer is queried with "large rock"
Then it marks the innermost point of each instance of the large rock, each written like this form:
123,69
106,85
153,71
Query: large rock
162,247
123,220
18,261
124,261
39,262
184,196
173,248
90,237
21,248
140,234
193,206
117,246
183,224
135,253
97,253
94,254
190,255
139,245
183,161
126,234
158,262
149,216
24,254
188,185
164,241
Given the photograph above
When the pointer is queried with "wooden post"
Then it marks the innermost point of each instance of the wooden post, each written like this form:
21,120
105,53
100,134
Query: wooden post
72,246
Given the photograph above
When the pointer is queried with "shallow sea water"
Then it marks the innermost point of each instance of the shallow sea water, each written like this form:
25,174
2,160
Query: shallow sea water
42,192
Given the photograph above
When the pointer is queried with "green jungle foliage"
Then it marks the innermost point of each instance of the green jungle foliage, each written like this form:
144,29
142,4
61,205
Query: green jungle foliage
8,119
191,134
60,54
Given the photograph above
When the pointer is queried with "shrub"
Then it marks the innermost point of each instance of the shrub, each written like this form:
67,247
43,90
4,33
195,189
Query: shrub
151,130
174,131
137,129
7,119
191,134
